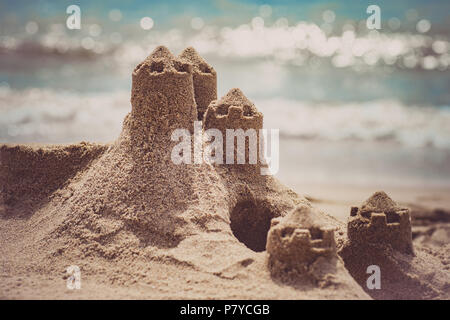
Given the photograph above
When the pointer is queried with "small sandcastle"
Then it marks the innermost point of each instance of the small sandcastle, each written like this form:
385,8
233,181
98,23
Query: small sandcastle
379,234
298,239
380,221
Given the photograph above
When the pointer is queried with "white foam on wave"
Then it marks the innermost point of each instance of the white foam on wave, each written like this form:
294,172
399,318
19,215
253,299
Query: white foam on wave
411,126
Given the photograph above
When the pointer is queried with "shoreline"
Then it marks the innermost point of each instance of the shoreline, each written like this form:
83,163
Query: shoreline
337,199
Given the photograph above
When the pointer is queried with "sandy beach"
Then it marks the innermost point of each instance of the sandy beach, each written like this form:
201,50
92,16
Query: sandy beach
162,280
242,150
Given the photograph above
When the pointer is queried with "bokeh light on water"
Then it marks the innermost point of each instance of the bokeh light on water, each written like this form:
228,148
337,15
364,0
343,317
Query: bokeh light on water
314,69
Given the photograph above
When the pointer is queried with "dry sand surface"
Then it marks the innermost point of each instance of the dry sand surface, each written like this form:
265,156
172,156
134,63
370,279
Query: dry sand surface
140,226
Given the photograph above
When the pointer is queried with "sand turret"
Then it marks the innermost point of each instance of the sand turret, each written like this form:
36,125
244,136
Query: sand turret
381,221
162,94
235,111
205,80
298,239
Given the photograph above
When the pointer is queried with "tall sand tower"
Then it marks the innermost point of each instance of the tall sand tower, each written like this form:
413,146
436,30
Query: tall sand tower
162,96
205,80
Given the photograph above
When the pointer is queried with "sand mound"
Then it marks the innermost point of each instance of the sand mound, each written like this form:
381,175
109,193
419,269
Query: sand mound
30,174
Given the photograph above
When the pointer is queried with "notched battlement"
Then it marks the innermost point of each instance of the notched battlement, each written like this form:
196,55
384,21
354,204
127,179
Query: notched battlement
199,65
380,220
233,110
236,112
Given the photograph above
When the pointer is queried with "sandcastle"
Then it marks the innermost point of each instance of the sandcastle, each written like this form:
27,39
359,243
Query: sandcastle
162,97
379,234
162,203
298,239
234,111
380,221
125,211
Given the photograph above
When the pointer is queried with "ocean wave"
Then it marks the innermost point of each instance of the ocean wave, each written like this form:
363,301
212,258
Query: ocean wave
381,120
46,115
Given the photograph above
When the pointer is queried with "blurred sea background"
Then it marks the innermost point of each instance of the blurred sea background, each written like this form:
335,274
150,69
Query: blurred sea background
354,106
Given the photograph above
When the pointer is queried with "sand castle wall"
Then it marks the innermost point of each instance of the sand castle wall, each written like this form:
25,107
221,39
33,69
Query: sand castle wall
379,234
